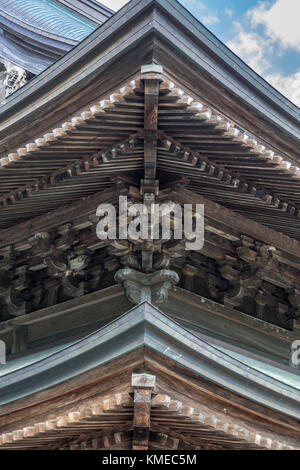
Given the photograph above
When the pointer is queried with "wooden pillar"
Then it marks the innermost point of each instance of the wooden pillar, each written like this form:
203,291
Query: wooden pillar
152,76
143,386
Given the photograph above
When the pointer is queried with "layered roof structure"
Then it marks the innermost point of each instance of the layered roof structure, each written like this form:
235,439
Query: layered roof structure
153,107
161,345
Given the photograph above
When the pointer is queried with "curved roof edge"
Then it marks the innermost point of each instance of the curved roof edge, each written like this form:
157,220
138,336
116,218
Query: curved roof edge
91,9
146,327
202,55
44,30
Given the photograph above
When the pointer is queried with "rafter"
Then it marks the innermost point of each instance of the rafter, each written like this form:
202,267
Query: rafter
227,149
106,131
242,224
143,420
62,215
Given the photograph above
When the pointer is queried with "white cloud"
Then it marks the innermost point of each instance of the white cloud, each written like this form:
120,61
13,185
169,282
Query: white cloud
228,12
201,11
210,19
113,4
281,20
287,85
252,48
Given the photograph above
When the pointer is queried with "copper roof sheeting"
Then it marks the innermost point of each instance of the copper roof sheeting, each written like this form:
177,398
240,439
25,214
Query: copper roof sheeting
197,420
35,33
47,16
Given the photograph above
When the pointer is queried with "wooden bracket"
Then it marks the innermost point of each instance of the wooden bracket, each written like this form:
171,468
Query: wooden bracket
143,386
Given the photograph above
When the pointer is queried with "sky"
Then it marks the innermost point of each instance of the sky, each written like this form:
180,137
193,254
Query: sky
264,33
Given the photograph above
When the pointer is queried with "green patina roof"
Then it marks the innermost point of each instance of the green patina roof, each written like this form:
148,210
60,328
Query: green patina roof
276,373
30,358
48,16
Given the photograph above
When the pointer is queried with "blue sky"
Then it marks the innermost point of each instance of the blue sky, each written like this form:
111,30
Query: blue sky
264,33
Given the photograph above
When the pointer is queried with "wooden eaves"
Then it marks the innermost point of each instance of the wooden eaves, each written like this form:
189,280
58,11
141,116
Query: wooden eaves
105,359
142,32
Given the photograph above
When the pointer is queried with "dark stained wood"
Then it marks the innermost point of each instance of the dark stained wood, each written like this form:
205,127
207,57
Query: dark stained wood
240,223
240,408
151,80
143,386
63,146
177,422
61,215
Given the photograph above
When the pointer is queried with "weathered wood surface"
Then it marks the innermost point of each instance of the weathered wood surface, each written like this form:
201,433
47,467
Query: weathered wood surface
143,387
221,161
151,76
239,90
117,421
75,143
81,209
200,368
241,223
220,399
247,260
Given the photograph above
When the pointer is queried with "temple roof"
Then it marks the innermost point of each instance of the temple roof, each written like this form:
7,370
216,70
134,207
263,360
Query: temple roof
221,160
146,326
90,9
75,136
146,338
215,71
151,91
36,33
47,16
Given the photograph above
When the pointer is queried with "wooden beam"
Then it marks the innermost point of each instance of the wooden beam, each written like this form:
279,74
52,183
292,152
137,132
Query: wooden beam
152,76
86,205
237,221
232,176
159,441
143,386
187,438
